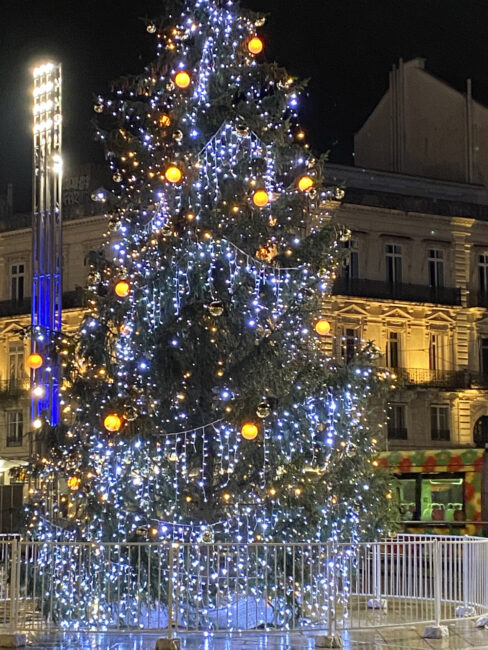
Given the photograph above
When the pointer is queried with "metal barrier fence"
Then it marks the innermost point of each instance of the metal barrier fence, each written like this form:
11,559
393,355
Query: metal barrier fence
182,588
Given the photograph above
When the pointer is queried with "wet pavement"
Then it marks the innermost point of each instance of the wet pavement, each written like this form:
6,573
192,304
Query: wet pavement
463,635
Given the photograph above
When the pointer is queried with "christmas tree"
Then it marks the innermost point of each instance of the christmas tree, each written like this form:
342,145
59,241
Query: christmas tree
200,399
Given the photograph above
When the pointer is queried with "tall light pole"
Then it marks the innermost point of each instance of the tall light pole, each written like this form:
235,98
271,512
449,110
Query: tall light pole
46,241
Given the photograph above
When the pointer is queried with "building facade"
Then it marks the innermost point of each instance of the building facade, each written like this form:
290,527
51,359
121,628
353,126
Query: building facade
415,282
82,232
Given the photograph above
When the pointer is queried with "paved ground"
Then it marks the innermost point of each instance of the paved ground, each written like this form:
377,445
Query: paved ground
463,636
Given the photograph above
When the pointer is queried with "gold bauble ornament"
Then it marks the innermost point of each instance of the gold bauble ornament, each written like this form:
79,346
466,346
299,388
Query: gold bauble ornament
164,120
242,130
178,136
263,409
173,174
249,431
34,361
151,28
170,86
98,108
216,308
182,79
339,193
73,482
322,327
122,288
94,277
112,422
260,21
255,45
117,177
260,198
305,183
207,536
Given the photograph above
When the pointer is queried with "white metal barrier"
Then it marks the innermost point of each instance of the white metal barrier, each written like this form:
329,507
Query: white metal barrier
216,587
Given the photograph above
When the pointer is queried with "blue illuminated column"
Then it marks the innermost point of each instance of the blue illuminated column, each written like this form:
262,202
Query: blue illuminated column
46,241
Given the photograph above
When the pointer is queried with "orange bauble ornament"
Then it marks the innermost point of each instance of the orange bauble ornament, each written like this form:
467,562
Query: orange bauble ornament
173,174
322,327
305,183
34,361
122,288
182,79
249,431
74,482
112,422
260,198
255,45
164,120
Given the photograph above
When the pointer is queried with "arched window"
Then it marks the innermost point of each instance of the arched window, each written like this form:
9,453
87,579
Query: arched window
480,432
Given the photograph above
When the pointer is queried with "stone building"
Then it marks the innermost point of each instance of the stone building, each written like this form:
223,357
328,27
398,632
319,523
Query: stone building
82,232
416,283
423,126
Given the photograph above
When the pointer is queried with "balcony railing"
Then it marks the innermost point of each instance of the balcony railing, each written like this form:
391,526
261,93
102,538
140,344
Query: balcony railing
396,433
71,299
396,291
449,379
440,434
478,299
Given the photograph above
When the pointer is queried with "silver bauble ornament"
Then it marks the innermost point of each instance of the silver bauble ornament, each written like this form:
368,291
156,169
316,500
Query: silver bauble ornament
130,413
263,409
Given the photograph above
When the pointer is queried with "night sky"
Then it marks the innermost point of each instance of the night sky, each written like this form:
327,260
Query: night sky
345,47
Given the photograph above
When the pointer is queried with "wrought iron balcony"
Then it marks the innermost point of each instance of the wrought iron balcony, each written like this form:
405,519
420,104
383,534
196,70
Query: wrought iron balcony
478,299
440,434
448,379
396,291
71,299
12,390
396,433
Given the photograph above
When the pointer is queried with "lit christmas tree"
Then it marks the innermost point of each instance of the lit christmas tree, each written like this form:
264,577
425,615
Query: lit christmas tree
200,403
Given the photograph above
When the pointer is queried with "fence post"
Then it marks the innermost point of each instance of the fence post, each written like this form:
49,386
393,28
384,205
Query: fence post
170,592
14,584
437,583
377,572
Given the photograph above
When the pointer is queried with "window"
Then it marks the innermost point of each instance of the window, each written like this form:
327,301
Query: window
439,423
480,432
17,282
484,356
15,428
436,268
397,429
350,342
431,497
483,272
438,352
350,267
16,364
393,350
393,254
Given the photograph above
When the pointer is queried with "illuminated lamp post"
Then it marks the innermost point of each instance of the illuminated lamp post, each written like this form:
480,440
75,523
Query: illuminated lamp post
46,238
